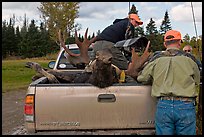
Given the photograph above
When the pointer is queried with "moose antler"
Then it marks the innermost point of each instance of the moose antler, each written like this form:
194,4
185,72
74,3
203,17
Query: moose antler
137,62
83,47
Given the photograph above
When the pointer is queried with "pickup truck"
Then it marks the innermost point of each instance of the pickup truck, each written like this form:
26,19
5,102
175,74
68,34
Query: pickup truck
82,106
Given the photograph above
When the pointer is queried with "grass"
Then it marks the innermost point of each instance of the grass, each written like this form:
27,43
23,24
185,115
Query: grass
16,76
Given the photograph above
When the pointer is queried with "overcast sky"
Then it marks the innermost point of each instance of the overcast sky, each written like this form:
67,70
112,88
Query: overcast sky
97,15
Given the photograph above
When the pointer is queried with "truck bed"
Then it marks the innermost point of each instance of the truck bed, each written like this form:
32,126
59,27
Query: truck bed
81,106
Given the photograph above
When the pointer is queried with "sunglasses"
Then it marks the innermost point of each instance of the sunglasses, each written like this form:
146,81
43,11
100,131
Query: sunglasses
187,50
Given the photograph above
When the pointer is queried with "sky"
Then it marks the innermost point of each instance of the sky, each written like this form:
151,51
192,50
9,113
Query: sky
98,15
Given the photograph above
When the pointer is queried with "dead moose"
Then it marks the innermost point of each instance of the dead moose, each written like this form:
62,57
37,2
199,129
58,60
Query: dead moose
100,72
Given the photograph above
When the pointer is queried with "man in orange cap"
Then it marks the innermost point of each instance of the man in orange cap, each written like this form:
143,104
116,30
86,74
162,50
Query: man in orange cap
121,29
174,76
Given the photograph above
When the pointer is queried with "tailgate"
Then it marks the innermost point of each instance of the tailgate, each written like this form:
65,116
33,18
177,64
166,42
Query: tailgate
88,107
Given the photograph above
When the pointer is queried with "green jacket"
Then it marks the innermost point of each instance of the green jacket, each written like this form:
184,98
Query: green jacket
172,75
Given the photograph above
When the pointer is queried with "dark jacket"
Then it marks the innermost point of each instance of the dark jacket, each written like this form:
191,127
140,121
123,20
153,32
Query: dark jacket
117,31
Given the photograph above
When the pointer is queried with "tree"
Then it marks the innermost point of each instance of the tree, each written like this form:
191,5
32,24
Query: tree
196,44
139,31
23,43
11,45
151,27
45,41
166,24
32,48
186,40
59,15
4,40
133,10
18,40
153,35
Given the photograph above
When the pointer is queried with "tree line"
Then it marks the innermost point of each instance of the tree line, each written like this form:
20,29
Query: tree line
33,41
30,40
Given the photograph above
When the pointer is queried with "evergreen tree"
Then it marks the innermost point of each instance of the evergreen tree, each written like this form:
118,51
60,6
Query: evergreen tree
133,10
11,45
153,35
45,47
186,38
32,43
23,44
166,24
4,40
47,44
139,31
151,28
18,40
186,41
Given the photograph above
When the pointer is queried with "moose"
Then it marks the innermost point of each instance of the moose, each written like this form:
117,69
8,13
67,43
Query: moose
99,72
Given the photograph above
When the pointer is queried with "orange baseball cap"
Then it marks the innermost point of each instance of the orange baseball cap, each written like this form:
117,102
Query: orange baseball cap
135,17
172,35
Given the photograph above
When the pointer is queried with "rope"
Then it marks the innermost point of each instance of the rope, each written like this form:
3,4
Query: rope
194,20
129,6
195,31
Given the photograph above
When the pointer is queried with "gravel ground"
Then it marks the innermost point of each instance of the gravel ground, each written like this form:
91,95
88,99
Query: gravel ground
12,111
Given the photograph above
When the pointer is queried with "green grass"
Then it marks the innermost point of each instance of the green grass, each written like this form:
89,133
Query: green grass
16,76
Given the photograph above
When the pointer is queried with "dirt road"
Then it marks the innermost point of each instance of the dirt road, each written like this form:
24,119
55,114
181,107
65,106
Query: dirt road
12,111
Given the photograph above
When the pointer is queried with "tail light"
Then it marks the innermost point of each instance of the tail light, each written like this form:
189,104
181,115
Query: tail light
29,108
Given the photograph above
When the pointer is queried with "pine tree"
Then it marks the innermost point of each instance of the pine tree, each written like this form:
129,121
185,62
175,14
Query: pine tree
155,38
151,27
186,38
133,10
23,44
18,40
4,40
12,48
139,31
48,45
166,24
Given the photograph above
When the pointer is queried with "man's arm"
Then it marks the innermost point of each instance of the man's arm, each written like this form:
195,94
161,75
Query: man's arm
145,75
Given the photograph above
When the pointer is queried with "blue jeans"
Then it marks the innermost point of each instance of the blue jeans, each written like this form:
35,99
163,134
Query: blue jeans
175,117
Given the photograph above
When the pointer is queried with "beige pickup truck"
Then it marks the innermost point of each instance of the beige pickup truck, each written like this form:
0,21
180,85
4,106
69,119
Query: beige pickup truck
81,106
